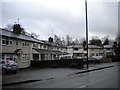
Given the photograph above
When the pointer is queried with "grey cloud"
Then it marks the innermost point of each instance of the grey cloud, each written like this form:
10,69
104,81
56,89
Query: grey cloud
37,18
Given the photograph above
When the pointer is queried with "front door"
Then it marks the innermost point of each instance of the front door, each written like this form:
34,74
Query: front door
36,57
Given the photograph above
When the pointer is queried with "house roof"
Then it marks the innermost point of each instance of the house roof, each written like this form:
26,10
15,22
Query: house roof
75,46
18,36
43,51
57,52
81,46
108,46
10,34
16,51
94,47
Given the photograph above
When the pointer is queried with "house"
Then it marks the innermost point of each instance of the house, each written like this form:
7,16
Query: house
95,50
78,51
17,47
46,50
108,50
23,48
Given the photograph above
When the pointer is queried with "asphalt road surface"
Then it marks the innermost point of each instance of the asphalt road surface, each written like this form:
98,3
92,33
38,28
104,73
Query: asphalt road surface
105,78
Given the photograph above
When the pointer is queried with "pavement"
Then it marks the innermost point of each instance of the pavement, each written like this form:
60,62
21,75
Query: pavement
37,74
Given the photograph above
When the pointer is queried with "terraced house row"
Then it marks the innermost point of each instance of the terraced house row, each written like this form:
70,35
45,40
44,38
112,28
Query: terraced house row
23,48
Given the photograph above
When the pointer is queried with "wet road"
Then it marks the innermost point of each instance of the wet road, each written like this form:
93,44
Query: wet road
105,78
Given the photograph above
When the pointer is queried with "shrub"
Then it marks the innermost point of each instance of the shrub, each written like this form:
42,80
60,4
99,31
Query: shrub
73,65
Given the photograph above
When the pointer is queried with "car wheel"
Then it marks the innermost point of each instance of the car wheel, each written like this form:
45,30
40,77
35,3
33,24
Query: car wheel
14,72
4,71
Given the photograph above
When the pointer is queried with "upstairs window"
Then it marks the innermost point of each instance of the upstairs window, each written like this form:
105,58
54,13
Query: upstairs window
45,46
3,41
6,41
76,49
16,43
25,44
10,42
35,45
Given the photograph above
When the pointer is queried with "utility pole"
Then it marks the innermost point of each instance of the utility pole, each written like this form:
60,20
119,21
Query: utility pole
86,31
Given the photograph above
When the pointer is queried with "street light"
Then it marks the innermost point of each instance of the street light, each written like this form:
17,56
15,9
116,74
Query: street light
86,31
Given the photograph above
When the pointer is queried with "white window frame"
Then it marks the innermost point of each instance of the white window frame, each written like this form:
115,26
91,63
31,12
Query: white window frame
35,45
25,58
23,44
16,43
11,42
5,41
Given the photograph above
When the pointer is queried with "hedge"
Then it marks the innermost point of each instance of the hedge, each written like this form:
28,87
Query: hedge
57,63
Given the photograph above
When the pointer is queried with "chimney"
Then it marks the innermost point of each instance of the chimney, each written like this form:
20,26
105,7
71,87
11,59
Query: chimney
50,39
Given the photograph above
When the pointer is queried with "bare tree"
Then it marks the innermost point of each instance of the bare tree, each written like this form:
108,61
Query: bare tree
95,41
118,37
57,40
68,40
116,45
63,41
77,41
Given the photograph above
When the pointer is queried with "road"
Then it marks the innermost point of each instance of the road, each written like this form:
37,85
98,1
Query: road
105,78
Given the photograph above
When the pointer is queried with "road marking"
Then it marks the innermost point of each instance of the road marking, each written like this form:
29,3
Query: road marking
86,86
82,86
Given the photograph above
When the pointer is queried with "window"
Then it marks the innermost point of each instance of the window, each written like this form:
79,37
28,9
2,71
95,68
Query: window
6,41
25,57
35,45
92,54
44,46
76,49
25,44
10,42
3,41
17,43
40,46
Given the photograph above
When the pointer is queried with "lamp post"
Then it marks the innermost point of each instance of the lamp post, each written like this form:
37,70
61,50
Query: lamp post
86,31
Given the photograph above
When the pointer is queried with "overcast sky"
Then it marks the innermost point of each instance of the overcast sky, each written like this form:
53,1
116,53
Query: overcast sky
62,17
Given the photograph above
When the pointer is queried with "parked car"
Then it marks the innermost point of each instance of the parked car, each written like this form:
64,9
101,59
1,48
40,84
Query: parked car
8,66
92,60
97,57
